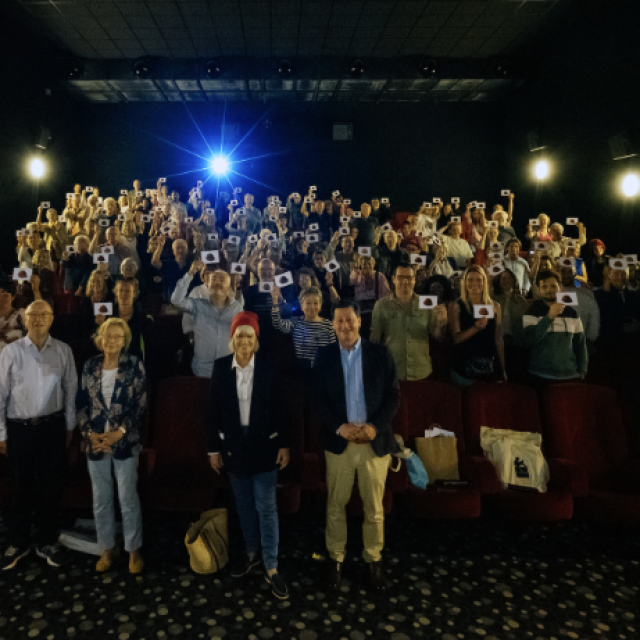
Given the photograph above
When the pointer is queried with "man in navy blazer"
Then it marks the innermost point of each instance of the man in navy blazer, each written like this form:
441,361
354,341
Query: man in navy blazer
358,395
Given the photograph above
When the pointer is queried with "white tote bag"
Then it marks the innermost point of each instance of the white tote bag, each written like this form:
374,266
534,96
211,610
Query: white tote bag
517,456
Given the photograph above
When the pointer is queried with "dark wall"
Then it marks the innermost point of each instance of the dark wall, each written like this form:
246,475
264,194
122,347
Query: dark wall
586,88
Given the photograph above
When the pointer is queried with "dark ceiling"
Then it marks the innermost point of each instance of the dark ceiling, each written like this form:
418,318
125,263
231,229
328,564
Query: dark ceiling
109,34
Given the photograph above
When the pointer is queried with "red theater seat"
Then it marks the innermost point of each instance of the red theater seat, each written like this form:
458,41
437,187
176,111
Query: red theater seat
424,403
511,406
583,426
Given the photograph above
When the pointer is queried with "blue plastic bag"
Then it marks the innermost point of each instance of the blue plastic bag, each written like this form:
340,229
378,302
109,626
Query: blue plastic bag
417,473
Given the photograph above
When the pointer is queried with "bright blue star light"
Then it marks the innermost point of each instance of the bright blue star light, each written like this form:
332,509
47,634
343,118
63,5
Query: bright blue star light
220,165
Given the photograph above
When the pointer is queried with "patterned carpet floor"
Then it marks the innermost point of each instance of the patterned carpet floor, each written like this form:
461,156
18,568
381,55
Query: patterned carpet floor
484,579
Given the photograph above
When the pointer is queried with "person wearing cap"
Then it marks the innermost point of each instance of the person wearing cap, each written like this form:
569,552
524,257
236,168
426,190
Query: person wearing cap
38,385
248,436
210,318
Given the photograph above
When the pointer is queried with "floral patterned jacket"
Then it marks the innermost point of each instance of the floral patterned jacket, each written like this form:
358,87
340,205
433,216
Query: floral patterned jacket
128,404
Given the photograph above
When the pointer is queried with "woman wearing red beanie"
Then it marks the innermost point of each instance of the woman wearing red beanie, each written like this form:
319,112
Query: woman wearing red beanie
249,436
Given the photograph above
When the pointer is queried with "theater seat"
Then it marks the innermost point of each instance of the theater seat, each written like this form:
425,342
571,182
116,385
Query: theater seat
583,425
178,476
427,402
511,406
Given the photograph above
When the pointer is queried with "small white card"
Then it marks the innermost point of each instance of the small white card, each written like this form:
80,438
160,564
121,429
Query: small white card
617,263
234,203
505,192
569,242
19,233
313,196
314,227
209,211
630,258
495,269
455,200
298,234
416,258
427,302
45,205
241,212
364,251
568,298
498,246
210,257
313,188
212,236
238,267
482,205
385,200
313,237
482,311
567,262
145,217
103,222
456,219
139,194
189,219
107,250
436,240
344,231
199,183
284,279
21,274
295,195
234,240
103,309
70,248
335,194
346,201
426,205
492,224
163,180
265,287
282,209
253,239
88,189
308,199
332,265
495,255
122,217
387,226
437,200
71,196
357,214
270,237
99,258
167,230
572,221
541,246
533,222
344,219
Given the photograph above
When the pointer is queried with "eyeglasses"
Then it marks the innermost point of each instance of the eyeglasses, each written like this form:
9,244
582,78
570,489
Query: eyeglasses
35,316
112,337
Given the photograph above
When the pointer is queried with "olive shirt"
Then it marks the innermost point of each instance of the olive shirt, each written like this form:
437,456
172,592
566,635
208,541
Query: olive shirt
406,335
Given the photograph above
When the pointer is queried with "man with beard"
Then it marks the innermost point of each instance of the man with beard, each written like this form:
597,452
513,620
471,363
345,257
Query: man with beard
555,336
211,317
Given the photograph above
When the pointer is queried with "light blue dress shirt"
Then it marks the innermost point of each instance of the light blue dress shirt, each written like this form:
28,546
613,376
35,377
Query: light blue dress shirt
354,383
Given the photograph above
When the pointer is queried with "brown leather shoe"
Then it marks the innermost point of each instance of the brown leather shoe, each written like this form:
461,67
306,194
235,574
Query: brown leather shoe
334,574
378,578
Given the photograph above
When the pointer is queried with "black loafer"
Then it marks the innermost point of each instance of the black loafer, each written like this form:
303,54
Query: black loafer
243,566
376,574
278,586
334,574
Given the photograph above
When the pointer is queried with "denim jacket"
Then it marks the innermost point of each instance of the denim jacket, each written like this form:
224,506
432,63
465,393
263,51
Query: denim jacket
128,403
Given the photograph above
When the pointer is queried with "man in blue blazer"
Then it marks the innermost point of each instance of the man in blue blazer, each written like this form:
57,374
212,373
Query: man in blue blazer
358,395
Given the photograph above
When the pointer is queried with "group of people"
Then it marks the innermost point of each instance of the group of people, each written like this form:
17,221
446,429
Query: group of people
348,301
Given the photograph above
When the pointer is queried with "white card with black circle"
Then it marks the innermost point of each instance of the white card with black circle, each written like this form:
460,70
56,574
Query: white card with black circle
505,192
436,240
99,258
241,212
284,279
308,199
70,248
265,287
344,219
89,189
210,257
495,269
163,180
270,237
313,237
385,200
234,240
630,258
166,230
103,222
617,263
387,226
313,188
145,217
45,205
344,231
313,196
567,298
357,214
314,227
533,222
234,203
492,224
336,194
70,196
437,199
346,201
139,194
20,273
103,309
282,209
496,246
19,233
426,205
122,217
295,195
456,219
107,250
199,183
332,265
212,236
238,267
416,258
364,251
482,311
427,302
569,242
298,234
567,262
253,239
209,211
541,246
273,218
572,221
189,219
482,205
124,192
455,200
496,255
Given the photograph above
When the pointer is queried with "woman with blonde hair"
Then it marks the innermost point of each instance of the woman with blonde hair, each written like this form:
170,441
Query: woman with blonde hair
110,405
541,234
478,344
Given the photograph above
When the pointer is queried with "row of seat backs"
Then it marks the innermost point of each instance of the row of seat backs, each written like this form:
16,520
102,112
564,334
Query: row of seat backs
580,422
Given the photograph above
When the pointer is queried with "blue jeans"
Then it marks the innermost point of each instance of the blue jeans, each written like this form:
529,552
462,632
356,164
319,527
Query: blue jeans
126,472
256,502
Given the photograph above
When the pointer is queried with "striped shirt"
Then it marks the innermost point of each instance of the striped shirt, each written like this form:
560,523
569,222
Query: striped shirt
308,337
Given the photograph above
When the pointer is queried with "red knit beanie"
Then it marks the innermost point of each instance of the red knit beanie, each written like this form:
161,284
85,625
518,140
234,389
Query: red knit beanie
247,318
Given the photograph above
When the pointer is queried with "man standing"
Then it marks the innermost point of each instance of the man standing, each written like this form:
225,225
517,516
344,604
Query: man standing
554,334
404,328
587,308
38,384
358,395
211,317
254,215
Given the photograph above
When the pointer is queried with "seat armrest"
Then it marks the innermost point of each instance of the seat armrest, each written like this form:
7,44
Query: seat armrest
481,473
567,475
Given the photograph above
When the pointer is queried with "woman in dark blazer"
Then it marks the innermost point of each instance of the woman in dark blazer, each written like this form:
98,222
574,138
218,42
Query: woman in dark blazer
110,405
247,434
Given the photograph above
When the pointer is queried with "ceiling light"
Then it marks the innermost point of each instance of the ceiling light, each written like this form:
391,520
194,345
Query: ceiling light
214,68
357,68
142,67
285,69
428,68
630,185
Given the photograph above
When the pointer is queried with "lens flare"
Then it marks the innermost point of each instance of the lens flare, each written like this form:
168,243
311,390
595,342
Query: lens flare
220,165
36,168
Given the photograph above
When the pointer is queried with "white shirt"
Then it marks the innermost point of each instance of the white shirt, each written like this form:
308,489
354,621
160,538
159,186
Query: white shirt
34,384
244,385
458,249
520,269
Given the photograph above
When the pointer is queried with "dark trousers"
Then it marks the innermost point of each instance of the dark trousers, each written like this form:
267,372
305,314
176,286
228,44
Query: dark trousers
37,460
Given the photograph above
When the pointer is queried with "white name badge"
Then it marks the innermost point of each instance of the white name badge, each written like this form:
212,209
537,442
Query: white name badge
308,199
346,201
163,180
103,309
253,239
533,222
122,217
282,209
344,231
630,258
499,246
492,224
298,234
455,200
70,248
357,214
482,311
188,219
45,205
88,189
482,205
234,203
313,188
456,219
437,200
336,194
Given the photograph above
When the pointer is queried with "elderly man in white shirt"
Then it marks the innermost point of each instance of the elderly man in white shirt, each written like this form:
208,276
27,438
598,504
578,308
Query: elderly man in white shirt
38,384
210,317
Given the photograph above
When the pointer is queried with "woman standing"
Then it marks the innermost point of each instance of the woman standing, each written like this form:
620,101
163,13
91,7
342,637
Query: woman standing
110,405
478,344
248,435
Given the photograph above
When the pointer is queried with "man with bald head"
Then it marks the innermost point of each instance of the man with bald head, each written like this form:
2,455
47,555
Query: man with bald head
38,384
210,317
